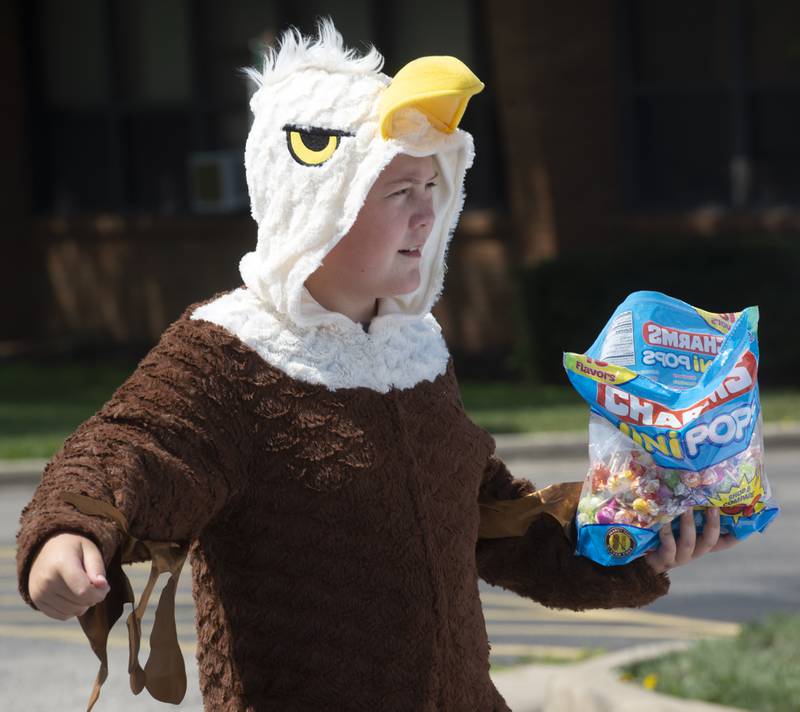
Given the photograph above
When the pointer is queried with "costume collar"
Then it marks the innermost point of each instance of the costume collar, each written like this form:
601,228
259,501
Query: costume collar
398,350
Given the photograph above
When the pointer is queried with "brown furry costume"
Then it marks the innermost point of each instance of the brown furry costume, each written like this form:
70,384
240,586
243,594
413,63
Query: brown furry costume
337,502
334,534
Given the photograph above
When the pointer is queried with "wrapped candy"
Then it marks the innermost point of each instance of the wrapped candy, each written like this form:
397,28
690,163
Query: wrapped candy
675,424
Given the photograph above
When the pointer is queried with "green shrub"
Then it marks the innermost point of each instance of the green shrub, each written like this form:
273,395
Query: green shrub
568,300
757,670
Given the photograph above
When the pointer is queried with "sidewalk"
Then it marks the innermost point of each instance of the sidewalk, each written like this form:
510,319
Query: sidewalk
593,686
569,445
536,446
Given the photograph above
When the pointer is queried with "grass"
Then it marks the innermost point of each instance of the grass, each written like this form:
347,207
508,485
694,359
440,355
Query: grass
757,670
523,408
526,408
41,404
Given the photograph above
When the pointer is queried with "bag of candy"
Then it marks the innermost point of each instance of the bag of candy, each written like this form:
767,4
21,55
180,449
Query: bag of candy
675,424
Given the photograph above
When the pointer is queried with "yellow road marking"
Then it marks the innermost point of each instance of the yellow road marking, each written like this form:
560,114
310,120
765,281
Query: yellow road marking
72,636
617,615
561,652
181,599
55,631
594,630
13,601
697,625
8,582
117,640
531,622
495,620
498,607
184,629
23,614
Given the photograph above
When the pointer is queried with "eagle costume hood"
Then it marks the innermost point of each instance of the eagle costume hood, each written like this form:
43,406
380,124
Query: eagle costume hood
326,123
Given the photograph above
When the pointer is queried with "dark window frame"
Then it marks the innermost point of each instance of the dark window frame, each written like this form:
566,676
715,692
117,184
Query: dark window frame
201,112
740,91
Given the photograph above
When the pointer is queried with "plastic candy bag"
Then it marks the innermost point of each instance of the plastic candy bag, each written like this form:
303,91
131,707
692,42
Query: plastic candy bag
675,424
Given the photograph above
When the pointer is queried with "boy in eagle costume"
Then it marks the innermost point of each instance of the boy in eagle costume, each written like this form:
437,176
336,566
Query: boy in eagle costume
316,463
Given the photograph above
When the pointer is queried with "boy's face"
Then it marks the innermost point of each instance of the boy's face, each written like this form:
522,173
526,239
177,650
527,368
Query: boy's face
380,255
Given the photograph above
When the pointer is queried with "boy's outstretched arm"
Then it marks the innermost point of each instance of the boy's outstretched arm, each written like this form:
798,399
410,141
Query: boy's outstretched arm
164,451
541,563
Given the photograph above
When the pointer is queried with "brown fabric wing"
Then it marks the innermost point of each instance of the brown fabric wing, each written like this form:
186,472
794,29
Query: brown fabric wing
164,673
512,517
527,545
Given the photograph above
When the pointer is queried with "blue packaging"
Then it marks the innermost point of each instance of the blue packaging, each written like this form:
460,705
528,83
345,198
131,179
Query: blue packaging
675,424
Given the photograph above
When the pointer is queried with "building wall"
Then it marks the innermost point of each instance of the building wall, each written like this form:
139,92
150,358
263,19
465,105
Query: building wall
562,153
124,280
554,77
112,280
107,276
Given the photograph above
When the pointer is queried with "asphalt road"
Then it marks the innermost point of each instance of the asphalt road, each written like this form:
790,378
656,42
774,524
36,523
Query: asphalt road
46,664
760,575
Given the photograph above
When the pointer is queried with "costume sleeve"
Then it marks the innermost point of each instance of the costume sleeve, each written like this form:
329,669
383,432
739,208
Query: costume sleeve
526,544
164,451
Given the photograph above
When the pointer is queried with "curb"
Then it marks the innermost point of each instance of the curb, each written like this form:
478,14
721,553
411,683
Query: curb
557,445
541,445
536,446
20,472
594,686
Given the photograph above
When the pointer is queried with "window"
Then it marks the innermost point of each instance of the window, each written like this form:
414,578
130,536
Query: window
123,94
416,28
126,97
710,103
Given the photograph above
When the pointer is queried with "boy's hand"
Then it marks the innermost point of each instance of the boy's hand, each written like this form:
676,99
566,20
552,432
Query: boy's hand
67,576
672,553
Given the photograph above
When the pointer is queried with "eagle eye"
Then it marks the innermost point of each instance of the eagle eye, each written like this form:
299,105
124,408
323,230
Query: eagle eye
312,146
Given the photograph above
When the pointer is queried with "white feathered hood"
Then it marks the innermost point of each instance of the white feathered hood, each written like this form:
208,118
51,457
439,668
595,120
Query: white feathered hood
326,123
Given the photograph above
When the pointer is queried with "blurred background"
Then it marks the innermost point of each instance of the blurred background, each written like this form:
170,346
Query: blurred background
621,145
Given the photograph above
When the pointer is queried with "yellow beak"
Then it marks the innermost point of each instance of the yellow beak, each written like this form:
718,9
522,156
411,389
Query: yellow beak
439,87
